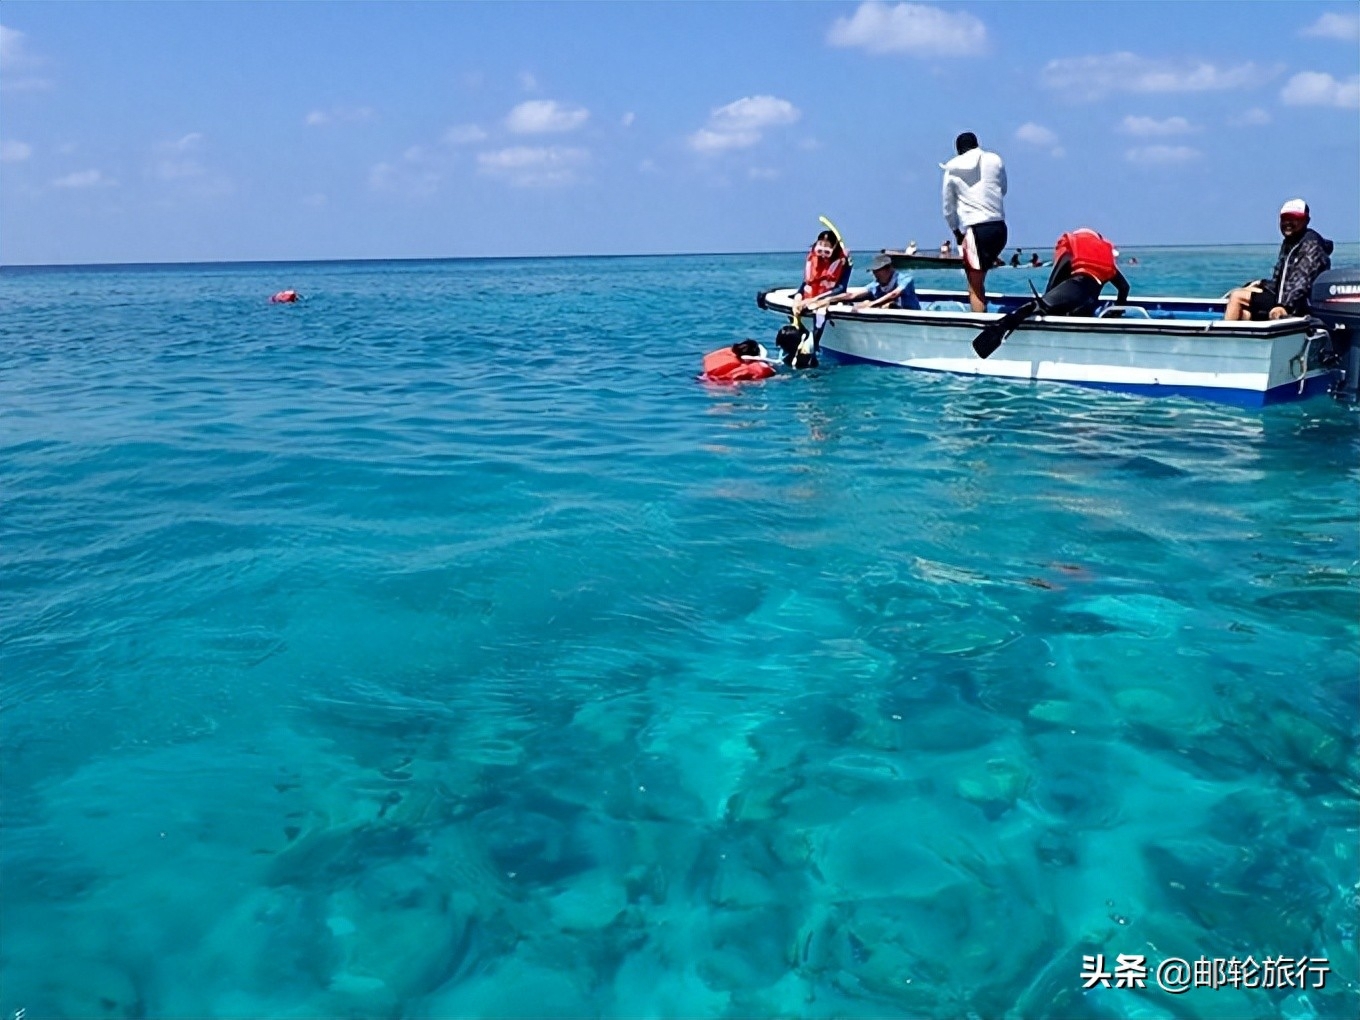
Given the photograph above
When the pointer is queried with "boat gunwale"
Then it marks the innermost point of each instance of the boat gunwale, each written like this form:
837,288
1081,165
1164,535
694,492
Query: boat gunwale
1202,328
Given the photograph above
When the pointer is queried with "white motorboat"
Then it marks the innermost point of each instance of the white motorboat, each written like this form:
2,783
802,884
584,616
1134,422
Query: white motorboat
1156,346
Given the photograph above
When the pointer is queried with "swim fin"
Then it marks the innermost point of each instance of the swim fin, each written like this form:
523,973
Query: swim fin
986,342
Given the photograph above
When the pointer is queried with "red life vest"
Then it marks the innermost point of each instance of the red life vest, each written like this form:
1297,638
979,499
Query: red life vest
821,276
1090,254
725,366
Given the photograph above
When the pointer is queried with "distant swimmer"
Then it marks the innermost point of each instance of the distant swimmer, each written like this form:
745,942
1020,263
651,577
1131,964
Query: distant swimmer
284,297
1034,261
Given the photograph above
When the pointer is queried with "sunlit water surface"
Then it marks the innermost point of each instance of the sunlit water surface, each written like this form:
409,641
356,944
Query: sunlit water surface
441,647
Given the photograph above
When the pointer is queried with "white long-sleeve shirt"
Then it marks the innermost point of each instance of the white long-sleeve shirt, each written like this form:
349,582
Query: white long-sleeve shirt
974,189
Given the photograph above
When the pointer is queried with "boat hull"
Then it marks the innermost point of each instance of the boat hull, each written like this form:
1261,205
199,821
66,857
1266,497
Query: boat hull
1187,351
901,260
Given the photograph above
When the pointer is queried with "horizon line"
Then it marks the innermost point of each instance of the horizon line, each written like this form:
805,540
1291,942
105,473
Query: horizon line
492,258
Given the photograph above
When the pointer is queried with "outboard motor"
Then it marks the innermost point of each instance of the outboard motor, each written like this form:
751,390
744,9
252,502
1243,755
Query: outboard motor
1335,302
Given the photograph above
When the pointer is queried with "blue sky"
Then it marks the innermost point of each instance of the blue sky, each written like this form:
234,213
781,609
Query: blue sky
204,131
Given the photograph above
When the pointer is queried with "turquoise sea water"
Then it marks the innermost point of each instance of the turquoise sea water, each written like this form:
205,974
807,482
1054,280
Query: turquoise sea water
440,647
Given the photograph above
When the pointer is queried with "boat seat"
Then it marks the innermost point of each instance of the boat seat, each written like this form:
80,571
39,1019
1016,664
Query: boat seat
1123,312
947,306
1162,313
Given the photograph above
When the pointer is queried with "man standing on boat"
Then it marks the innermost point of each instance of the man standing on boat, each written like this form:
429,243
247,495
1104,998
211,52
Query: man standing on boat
974,207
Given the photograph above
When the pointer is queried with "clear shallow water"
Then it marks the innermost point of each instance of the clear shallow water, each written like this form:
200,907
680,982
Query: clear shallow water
439,647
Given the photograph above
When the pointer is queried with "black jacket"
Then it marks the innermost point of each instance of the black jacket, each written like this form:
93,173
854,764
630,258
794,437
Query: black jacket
1301,261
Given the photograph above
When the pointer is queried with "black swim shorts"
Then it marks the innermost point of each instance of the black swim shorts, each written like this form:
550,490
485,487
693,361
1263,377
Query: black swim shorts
1263,298
982,243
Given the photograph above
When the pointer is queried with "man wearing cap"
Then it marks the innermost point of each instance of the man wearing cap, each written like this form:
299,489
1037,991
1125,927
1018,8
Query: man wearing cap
889,290
1304,255
974,207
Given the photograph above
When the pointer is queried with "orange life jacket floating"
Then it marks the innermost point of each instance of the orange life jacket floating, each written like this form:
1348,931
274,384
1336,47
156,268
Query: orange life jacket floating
725,365
284,297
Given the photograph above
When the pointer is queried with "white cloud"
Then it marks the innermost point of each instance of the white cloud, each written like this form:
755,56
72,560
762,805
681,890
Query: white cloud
464,134
84,179
1151,127
754,113
1313,88
740,124
14,151
13,50
648,166
1345,27
1093,77
627,119
916,29
706,141
1162,154
1254,117
762,173
528,167
1036,134
540,116
18,65
338,115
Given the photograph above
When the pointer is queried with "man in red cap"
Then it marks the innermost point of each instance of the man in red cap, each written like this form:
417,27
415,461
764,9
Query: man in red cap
1304,254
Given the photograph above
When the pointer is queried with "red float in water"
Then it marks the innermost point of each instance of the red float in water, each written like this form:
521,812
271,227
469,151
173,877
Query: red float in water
284,297
725,365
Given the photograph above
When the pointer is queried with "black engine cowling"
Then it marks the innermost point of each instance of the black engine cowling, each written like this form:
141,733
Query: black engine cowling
1335,302
1335,299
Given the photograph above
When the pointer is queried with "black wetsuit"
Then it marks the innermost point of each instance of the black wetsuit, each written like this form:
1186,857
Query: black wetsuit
1069,293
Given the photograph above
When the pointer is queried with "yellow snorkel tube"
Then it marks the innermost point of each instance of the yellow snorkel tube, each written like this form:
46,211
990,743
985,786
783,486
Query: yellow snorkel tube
839,240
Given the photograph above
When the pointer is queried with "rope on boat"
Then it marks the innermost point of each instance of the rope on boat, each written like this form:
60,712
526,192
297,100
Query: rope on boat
1302,359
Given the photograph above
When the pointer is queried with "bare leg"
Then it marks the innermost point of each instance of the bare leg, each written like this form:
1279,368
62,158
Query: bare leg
1239,302
977,288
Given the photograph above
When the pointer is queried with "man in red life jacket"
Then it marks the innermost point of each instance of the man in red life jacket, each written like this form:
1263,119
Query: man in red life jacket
1083,262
